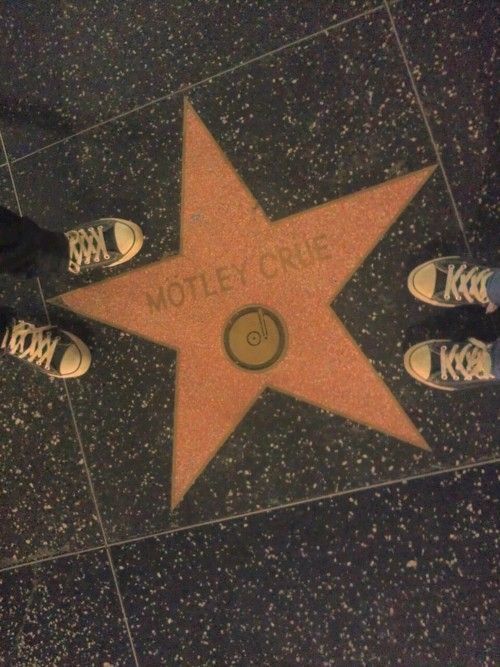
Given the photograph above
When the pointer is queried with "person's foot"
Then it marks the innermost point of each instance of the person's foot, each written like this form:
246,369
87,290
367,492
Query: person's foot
51,350
448,365
106,242
449,282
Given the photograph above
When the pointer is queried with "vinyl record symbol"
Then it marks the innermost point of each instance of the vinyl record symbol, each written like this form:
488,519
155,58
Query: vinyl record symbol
255,338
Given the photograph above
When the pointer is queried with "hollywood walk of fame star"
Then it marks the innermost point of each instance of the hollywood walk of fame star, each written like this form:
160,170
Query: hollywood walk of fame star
246,304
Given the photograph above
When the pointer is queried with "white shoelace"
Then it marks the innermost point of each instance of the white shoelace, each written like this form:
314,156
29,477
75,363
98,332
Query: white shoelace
468,284
26,341
86,245
468,362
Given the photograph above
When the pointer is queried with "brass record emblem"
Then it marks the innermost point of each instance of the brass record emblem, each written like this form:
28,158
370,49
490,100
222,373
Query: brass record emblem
255,338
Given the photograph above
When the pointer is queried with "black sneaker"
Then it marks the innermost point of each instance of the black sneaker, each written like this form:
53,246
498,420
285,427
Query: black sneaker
445,364
51,350
449,282
107,242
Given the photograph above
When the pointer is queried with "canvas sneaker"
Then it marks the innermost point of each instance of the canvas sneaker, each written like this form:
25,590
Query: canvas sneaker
49,349
107,242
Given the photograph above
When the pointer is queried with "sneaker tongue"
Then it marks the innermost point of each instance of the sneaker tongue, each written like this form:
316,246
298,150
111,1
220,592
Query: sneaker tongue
440,282
435,365
110,240
487,355
58,356
488,363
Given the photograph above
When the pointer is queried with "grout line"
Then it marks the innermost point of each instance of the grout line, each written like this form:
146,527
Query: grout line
258,512
428,126
304,501
80,443
49,559
11,175
97,510
185,89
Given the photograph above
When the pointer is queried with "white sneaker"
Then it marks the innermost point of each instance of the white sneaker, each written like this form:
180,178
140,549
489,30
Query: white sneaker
449,282
49,349
447,365
107,242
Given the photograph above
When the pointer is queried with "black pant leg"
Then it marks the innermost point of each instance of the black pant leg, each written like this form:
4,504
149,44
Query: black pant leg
26,248
6,316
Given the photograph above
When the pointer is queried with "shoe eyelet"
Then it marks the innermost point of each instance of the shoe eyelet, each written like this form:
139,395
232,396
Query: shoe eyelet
443,347
451,266
446,298
105,257
443,376
459,298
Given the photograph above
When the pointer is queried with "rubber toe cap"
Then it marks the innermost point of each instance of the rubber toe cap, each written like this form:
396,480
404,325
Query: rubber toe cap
423,281
128,237
419,362
76,360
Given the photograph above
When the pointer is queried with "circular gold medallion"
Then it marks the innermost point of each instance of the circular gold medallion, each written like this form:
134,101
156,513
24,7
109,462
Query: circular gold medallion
254,338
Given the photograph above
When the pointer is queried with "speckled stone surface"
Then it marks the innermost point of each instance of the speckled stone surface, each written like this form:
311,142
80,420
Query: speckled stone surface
45,505
309,124
328,118
401,575
62,613
66,67
451,49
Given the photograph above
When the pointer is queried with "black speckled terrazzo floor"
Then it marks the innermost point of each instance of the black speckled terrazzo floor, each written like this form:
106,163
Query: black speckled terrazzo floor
310,102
